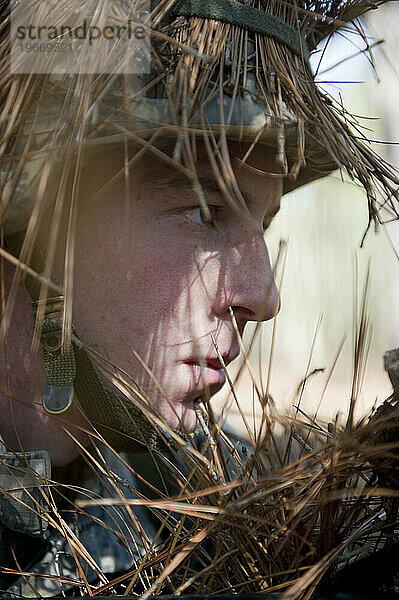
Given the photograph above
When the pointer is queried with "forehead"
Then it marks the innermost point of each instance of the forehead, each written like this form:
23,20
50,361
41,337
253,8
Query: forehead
254,172
237,159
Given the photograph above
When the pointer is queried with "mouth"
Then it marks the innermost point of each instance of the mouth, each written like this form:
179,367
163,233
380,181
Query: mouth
206,375
210,374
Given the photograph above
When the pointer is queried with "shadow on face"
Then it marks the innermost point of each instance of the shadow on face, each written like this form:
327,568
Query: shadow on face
159,257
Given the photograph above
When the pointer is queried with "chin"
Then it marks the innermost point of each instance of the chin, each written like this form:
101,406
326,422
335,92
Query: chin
185,420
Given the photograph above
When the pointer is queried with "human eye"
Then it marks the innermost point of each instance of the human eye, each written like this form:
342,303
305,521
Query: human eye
196,215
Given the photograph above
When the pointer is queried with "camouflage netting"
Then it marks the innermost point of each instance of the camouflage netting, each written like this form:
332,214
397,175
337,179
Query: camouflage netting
213,80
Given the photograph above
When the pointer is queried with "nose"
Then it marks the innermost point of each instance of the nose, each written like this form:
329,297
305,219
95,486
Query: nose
246,282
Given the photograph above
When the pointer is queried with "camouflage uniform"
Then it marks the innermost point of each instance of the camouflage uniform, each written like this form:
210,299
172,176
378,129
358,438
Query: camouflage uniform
41,549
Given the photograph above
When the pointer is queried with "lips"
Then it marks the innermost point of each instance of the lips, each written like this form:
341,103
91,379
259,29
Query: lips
211,374
214,363
208,375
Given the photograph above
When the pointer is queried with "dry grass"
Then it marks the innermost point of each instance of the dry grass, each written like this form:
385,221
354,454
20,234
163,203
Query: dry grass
313,135
296,504
302,499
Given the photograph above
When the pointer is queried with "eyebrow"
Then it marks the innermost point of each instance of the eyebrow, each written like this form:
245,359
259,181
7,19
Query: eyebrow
207,182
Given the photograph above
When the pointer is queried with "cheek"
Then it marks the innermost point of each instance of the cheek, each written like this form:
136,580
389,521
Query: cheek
133,272
138,279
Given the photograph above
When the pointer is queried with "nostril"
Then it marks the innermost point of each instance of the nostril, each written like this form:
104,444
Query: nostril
240,312
242,315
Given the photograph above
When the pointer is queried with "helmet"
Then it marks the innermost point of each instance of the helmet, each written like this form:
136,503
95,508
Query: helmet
227,69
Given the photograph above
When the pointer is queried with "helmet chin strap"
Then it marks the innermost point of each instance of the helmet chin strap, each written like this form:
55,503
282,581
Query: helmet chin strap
72,374
59,368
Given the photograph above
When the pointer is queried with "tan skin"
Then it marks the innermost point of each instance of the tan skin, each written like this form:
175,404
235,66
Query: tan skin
159,280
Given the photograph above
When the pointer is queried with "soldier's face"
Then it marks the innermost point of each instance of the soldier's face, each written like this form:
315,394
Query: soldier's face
154,280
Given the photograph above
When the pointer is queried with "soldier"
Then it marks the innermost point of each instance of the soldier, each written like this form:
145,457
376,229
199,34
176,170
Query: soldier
133,213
